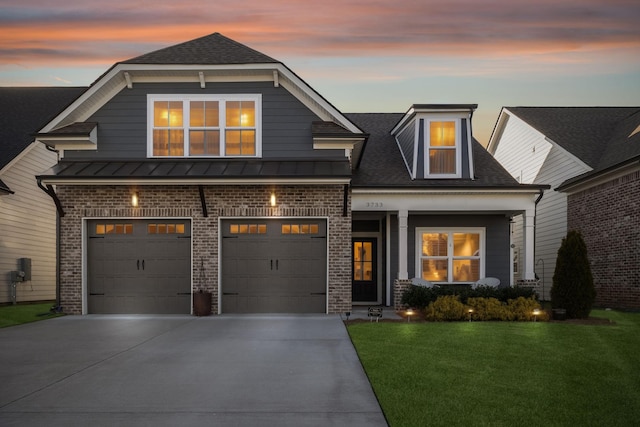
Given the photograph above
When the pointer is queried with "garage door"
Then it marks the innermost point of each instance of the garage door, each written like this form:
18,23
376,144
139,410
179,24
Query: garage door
139,266
274,266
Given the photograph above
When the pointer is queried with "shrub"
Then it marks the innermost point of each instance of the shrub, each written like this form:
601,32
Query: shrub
419,297
447,307
572,287
522,309
488,309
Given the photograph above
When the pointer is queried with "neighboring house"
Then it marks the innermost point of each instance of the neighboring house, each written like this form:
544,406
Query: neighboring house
591,155
209,166
27,214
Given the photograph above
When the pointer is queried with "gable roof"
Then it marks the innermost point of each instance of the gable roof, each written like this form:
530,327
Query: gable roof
382,164
214,49
23,110
596,135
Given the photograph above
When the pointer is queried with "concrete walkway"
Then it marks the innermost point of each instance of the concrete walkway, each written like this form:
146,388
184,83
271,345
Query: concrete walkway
181,370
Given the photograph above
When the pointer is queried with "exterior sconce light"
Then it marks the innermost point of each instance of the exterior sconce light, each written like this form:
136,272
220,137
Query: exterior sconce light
470,313
272,200
409,313
134,200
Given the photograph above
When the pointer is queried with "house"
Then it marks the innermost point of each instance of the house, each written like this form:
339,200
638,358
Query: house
27,215
591,156
209,166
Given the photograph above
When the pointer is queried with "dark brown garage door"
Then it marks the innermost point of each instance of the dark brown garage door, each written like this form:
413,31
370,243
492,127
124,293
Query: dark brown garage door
274,266
139,266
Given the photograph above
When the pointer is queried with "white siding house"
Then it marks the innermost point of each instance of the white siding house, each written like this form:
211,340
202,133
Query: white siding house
27,214
532,157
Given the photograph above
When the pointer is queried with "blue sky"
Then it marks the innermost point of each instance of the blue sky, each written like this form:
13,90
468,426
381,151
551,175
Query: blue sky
362,55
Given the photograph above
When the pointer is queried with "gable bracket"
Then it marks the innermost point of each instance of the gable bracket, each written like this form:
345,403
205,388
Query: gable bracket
202,82
127,78
51,192
276,79
203,201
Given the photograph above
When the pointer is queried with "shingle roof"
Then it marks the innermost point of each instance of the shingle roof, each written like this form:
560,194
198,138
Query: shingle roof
383,166
596,135
214,49
23,110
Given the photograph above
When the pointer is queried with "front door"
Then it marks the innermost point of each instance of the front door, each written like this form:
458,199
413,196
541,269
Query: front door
364,270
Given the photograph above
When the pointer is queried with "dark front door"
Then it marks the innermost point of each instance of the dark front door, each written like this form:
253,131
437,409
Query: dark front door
364,269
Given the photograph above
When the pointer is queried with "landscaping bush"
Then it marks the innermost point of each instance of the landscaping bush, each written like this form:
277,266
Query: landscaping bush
447,307
419,297
572,287
522,309
488,309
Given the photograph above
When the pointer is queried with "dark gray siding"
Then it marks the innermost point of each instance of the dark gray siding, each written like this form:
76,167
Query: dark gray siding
465,149
497,262
286,122
406,142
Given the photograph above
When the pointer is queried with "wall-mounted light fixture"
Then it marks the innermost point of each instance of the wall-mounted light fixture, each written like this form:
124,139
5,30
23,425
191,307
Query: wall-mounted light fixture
134,200
273,199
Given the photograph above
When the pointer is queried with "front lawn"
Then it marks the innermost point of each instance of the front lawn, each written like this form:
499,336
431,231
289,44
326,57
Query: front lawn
12,315
504,373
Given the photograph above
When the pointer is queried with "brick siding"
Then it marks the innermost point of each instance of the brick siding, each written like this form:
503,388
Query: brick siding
608,216
222,201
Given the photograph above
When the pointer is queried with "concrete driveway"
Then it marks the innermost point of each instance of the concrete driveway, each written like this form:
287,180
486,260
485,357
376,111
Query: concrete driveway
181,370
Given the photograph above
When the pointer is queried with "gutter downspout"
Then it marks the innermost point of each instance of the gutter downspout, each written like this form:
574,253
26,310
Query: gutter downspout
535,232
59,213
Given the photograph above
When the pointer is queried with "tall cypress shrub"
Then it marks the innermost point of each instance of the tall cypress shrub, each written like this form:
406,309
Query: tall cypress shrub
572,287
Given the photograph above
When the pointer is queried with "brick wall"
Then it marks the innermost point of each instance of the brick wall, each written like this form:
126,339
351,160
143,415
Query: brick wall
222,201
608,216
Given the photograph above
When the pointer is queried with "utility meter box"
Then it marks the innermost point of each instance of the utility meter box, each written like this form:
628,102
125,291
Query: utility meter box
25,267
17,276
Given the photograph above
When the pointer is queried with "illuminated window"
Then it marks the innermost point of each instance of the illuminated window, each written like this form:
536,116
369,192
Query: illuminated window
114,229
300,229
204,125
442,149
248,228
165,228
450,256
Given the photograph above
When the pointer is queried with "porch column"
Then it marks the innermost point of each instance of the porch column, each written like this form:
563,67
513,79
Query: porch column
528,272
403,272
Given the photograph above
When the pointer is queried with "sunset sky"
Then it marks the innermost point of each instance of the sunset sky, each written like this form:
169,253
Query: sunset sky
361,55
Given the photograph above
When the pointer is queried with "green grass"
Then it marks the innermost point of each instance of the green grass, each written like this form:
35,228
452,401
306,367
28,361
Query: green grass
504,373
12,315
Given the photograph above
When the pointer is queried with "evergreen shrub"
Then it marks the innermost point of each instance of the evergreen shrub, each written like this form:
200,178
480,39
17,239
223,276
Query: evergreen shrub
573,287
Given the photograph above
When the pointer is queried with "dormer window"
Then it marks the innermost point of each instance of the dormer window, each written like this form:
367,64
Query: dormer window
435,141
442,148
204,126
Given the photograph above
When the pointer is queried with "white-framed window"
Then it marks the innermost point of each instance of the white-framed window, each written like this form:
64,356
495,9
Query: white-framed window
455,255
204,125
443,155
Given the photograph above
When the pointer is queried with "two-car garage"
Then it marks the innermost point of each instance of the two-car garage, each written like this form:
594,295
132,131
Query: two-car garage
144,266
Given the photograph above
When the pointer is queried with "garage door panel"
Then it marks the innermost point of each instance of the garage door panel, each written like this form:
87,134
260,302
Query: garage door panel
138,271
274,271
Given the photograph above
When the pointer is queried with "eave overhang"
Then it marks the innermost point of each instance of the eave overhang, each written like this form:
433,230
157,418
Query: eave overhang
417,109
76,136
593,178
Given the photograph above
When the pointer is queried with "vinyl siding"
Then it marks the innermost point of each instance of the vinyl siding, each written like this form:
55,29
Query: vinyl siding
522,150
531,159
27,228
286,122
406,142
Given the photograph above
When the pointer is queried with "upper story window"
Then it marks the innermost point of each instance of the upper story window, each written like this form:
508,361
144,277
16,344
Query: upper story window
442,148
204,126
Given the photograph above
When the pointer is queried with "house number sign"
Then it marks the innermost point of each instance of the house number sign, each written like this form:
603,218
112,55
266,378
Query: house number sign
375,204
